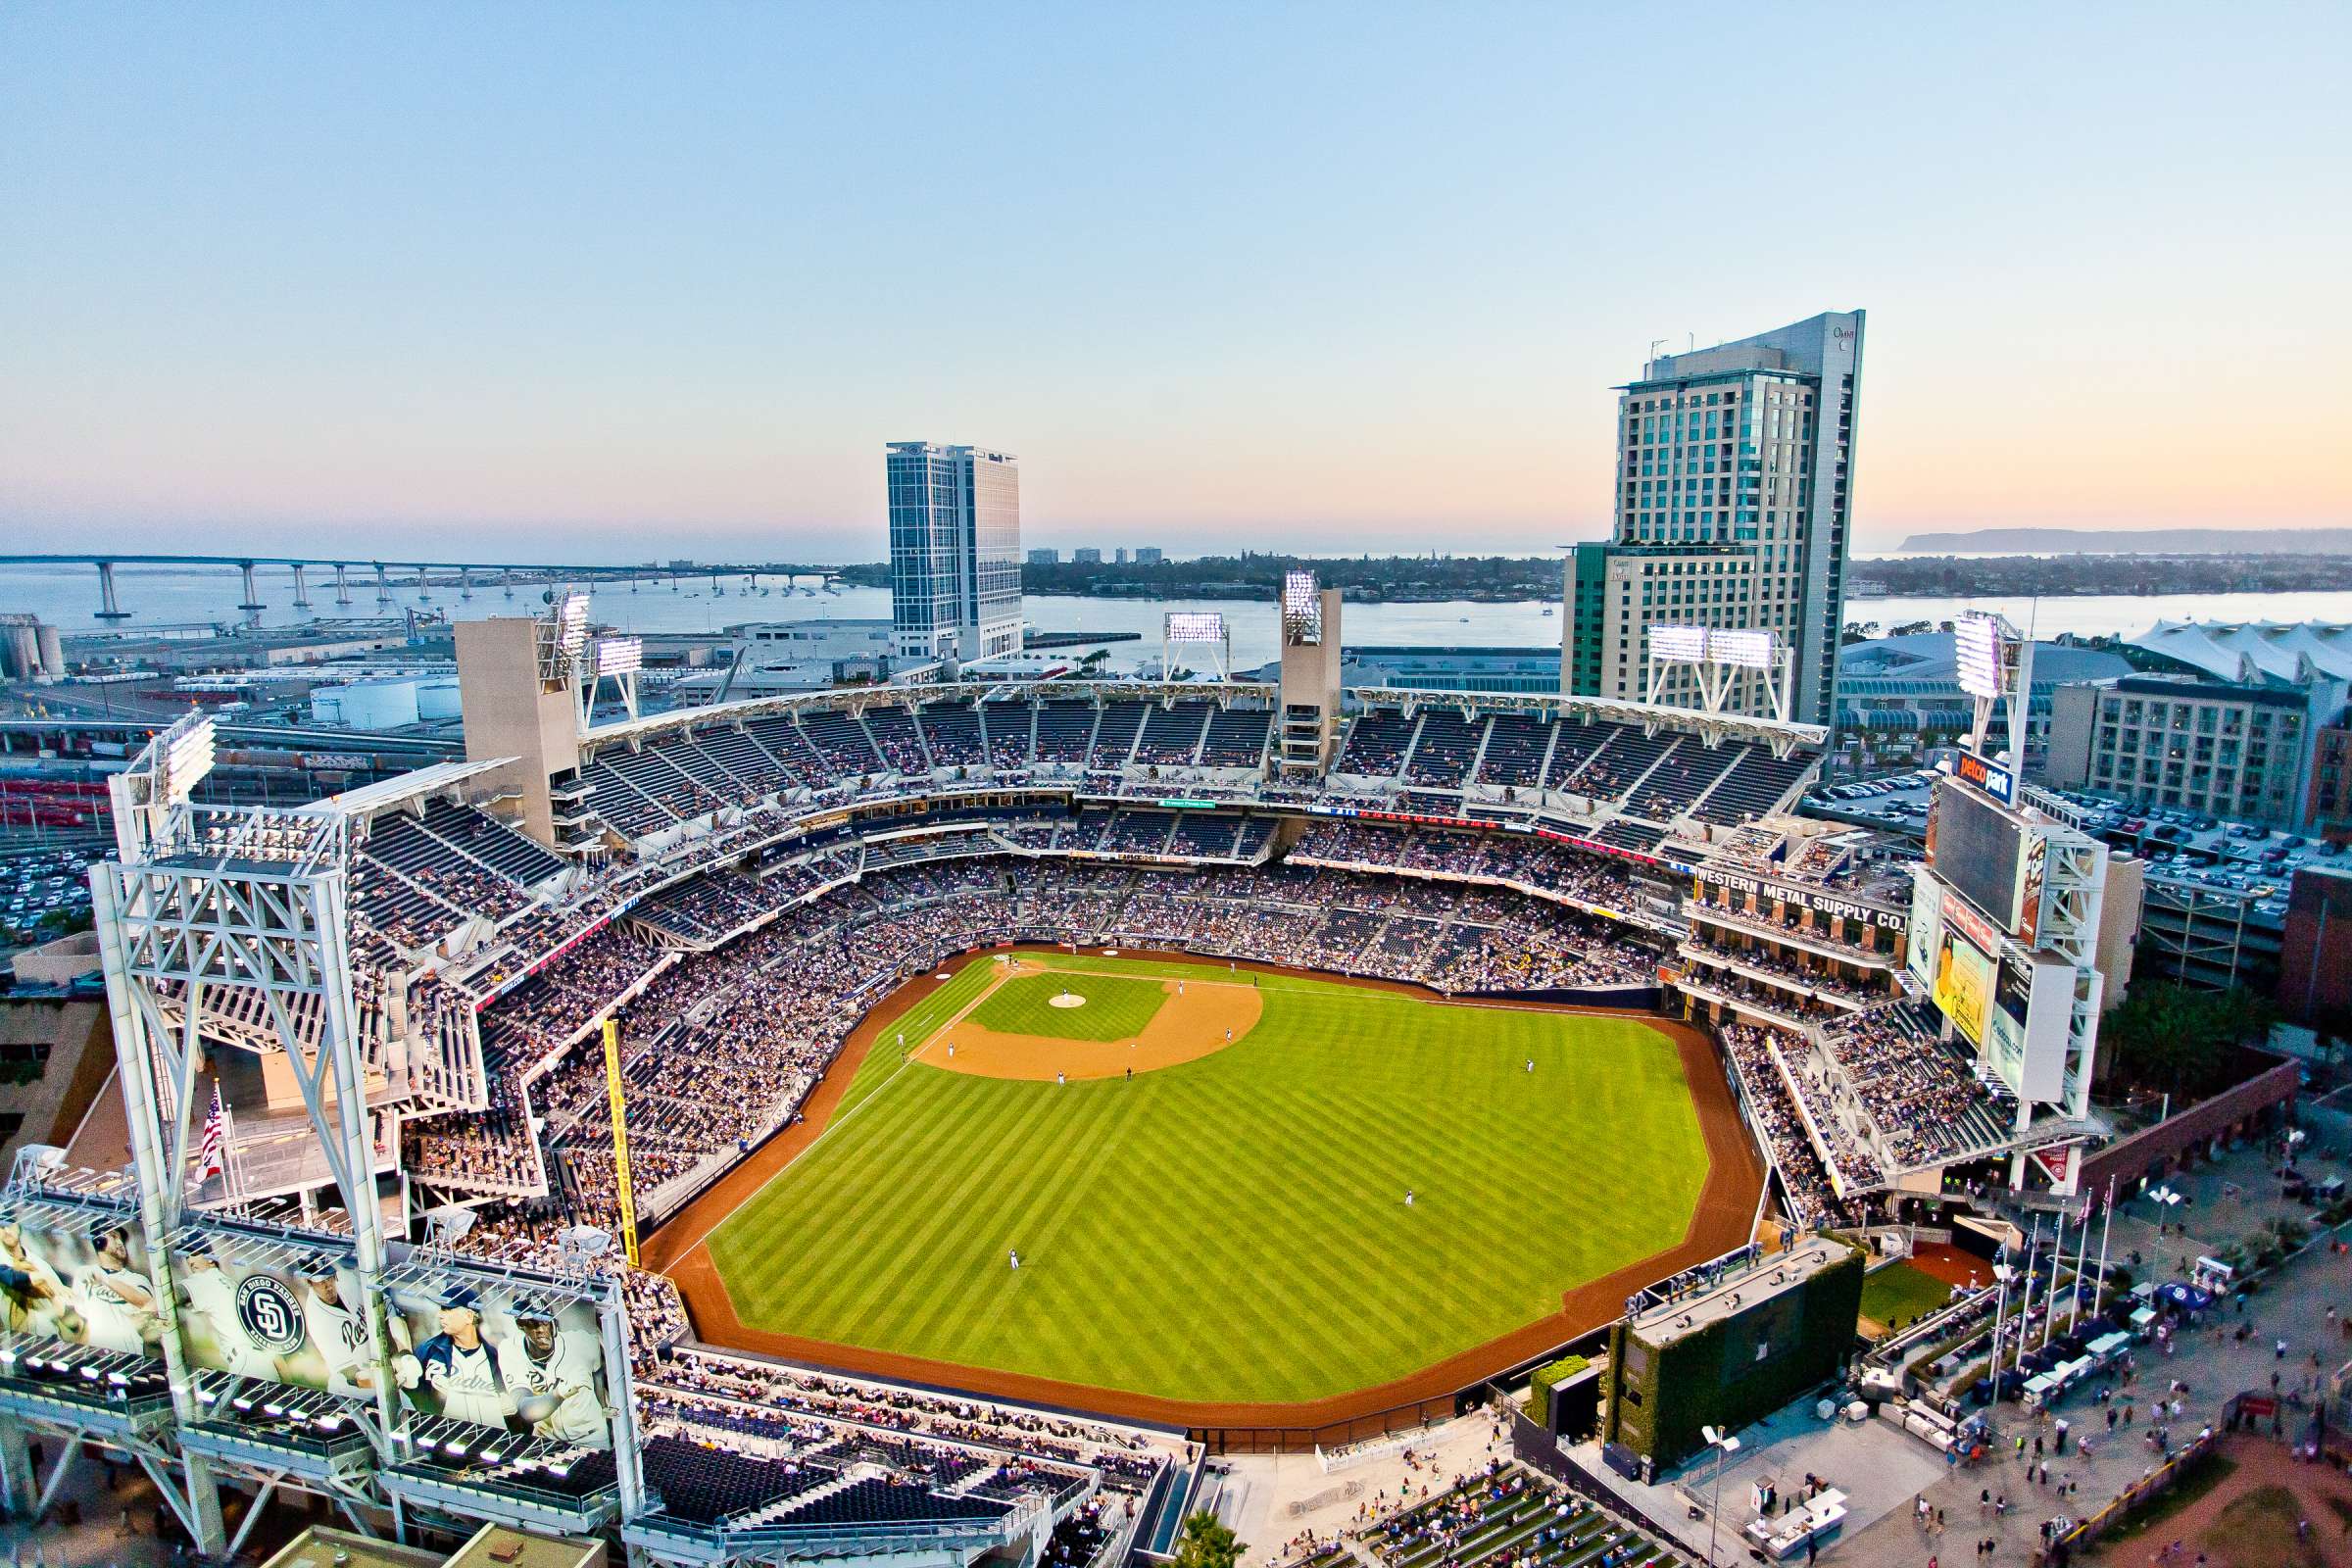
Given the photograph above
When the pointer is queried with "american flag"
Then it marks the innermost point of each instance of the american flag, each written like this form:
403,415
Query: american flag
209,1149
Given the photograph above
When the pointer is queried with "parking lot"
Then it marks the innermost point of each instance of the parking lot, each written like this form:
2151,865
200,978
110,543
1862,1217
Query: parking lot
33,887
2180,847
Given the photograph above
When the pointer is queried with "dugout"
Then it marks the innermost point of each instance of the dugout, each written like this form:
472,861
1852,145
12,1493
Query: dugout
1732,1352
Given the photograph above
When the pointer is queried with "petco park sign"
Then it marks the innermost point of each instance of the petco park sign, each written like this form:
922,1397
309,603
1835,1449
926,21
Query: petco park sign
1803,898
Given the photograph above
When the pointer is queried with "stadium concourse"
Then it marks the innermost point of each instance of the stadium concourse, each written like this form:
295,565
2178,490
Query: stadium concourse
740,884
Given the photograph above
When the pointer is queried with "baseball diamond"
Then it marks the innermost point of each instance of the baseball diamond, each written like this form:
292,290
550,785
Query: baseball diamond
1208,1154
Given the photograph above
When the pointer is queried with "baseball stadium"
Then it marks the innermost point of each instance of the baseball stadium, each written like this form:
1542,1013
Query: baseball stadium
937,1118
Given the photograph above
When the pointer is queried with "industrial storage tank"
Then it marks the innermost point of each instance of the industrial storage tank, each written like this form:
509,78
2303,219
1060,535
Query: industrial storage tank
53,654
366,705
20,647
438,699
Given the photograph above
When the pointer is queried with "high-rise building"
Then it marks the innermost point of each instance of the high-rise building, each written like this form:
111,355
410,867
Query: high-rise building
1149,556
1086,556
1047,556
955,550
1733,498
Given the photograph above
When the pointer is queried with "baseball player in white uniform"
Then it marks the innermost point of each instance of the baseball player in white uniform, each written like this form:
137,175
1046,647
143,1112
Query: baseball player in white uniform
117,1301
212,1292
548,1364
338,1333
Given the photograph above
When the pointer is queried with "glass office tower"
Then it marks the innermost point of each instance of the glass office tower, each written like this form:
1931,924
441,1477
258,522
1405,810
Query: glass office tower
954,550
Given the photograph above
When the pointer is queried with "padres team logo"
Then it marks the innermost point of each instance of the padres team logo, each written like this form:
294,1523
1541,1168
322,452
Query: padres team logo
269,1315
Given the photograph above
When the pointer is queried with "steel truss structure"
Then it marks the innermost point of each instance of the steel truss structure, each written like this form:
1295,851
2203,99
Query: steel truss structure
227,929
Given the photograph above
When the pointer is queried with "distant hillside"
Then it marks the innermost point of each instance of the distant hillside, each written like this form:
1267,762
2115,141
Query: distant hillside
2137,541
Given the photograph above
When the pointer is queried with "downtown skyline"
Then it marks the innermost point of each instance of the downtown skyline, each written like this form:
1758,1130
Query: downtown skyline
629,285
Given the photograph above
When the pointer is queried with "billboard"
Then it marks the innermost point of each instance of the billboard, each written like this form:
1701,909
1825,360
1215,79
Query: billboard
83,1283
1990,776
273,1311
1977,849
1963,983
1817,900
2031,1024
497,1355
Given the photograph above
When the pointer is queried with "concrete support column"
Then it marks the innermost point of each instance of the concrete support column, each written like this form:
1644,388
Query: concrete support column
17,1493
252,604
342,586
383,584
109,608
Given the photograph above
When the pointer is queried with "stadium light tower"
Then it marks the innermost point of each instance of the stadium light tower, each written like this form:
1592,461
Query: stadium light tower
1204,629
1994,663
1721,656
209,918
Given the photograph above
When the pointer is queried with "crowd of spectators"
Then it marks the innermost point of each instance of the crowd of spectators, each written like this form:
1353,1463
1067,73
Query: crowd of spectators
1926,1101
1124,1454
1544,865
1802,983
1754,1050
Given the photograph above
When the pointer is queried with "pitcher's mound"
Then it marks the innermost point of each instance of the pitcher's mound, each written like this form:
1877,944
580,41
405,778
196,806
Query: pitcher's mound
1204,1020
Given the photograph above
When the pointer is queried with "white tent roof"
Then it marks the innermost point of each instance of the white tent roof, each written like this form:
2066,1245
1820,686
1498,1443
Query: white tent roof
2249,651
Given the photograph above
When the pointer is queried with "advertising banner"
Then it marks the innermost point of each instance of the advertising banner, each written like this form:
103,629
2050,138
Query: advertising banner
83,1284
1964,985
298,1321
470,1351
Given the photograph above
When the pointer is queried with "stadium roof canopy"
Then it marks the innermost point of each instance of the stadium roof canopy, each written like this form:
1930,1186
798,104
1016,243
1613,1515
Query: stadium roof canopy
2250,653
369,798
1782,737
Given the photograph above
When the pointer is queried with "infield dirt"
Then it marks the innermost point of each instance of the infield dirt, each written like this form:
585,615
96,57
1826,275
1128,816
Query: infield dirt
1198,1018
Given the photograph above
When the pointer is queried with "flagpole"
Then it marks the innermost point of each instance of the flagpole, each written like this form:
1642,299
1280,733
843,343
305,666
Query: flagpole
2000,1310
2050,1308
2106,1226
2025,1303
2082,1257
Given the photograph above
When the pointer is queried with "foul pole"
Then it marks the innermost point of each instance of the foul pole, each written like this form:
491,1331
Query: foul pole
621,1140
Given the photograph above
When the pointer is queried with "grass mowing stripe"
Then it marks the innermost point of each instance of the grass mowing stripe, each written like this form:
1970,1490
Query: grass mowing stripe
1243,1197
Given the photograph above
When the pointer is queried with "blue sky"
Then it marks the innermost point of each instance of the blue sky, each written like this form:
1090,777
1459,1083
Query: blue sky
624,281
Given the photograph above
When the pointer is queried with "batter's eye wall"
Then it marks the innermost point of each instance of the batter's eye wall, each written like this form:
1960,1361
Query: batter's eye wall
1730,1373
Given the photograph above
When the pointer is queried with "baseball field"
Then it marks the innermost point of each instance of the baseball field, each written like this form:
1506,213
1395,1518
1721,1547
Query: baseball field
1204,1172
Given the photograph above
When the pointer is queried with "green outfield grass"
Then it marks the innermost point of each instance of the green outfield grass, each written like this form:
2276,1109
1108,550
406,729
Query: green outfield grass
1901,1295
1232,1228
1116,1006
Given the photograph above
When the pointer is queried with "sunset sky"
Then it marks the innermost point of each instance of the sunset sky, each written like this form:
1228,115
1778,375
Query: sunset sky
619,281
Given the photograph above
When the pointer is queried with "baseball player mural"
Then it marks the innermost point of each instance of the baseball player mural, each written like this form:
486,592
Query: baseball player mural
86,1284
494,1359
34,1299
518,1368
114,1296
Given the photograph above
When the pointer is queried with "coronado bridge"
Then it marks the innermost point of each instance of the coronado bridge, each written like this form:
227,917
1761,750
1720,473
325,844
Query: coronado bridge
341,574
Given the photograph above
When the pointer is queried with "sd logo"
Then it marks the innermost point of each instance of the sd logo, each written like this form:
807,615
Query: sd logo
269,1315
